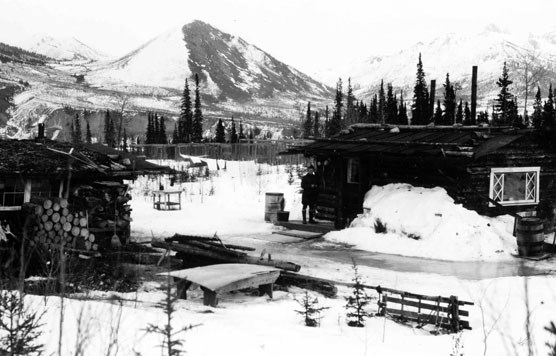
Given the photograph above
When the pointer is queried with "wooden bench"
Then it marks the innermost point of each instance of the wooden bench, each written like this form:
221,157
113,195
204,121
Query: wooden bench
222,278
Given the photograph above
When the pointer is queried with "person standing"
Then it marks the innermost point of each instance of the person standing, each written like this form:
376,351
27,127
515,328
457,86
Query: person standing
310,194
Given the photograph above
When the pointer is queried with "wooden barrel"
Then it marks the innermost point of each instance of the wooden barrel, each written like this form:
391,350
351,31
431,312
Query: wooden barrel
530,236
274,202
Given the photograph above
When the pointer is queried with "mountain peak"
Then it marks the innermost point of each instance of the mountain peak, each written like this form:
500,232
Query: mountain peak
228,67
492,28
61,48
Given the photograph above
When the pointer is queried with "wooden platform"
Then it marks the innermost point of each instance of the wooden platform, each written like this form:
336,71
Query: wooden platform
322,227
224,278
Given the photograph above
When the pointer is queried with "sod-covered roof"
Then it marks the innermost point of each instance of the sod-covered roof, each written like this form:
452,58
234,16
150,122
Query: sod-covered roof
34,158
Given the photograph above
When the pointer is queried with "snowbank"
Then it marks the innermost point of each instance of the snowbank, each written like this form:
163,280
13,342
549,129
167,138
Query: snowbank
426,223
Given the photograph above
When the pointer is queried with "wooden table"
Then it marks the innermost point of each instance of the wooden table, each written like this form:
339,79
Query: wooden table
164,201
223,278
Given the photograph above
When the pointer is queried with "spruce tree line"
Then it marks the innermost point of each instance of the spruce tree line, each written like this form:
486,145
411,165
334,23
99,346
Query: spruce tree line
156,129
386,107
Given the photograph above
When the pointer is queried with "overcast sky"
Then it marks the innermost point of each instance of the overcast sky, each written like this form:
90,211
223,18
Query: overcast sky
310,35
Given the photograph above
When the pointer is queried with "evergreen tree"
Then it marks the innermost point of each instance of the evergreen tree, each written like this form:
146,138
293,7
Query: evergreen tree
537,110
175,134
391,106
467,115
220,135
503,113
162,134
316,126
88,136
402,118
326,130
156,133
150,129
350,117
77,129
374,116
363,113
198,114
241,135
233,132
482,117
420,106
336,124
438,119
185,122
125,140
459,113
308,123
381,104
109,130
310,310
357,302
548,122
449,103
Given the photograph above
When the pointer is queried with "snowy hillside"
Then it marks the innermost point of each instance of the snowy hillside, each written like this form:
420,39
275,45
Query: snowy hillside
229,67
63,48
456,54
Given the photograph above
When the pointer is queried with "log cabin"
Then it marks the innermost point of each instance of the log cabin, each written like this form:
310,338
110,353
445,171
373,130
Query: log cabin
490,170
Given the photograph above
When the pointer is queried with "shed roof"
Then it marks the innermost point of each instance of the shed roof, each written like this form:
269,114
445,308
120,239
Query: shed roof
39,158
359,140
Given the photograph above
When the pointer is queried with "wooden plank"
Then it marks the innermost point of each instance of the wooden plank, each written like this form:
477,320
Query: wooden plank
413,295
422,305
430,319
227,277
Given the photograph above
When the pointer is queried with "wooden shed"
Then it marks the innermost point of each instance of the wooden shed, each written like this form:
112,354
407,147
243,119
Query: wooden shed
88,176
491,170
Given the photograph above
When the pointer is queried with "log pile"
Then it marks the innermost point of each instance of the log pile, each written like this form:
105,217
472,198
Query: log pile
58,225
87,221
199,251
107,204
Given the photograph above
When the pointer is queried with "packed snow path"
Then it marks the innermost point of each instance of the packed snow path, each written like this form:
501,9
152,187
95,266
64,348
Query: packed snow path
309,253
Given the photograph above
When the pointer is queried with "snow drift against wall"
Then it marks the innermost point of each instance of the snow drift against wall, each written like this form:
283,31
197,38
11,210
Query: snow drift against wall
426,223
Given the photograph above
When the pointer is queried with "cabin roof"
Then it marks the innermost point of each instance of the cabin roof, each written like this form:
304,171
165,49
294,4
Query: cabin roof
39,158
470,142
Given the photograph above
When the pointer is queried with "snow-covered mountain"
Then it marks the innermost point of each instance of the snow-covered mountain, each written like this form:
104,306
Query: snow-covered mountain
228,67
62,48
456,54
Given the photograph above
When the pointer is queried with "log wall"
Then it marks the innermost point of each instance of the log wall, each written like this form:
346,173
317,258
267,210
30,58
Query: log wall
467,181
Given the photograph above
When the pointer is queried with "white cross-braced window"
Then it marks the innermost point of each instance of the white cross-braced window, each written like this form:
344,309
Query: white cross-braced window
515,185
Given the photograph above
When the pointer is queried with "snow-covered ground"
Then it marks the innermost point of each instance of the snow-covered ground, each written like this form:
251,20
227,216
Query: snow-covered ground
247,325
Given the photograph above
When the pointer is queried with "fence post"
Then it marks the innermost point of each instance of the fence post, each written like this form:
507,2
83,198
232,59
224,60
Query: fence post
454,313
403,304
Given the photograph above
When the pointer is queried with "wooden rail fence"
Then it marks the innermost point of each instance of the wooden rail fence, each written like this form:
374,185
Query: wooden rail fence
444,312
266,151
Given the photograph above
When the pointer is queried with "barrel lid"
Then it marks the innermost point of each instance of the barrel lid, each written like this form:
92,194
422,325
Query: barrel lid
530,220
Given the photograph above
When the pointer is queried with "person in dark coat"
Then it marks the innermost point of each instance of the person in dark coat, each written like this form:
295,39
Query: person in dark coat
309,185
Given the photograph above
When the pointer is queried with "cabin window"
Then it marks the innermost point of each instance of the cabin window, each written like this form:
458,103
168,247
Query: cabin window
353,170
515,185
41,189
12,192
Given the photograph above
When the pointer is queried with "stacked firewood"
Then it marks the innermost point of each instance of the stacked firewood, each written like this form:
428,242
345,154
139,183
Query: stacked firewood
107,205
58,225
